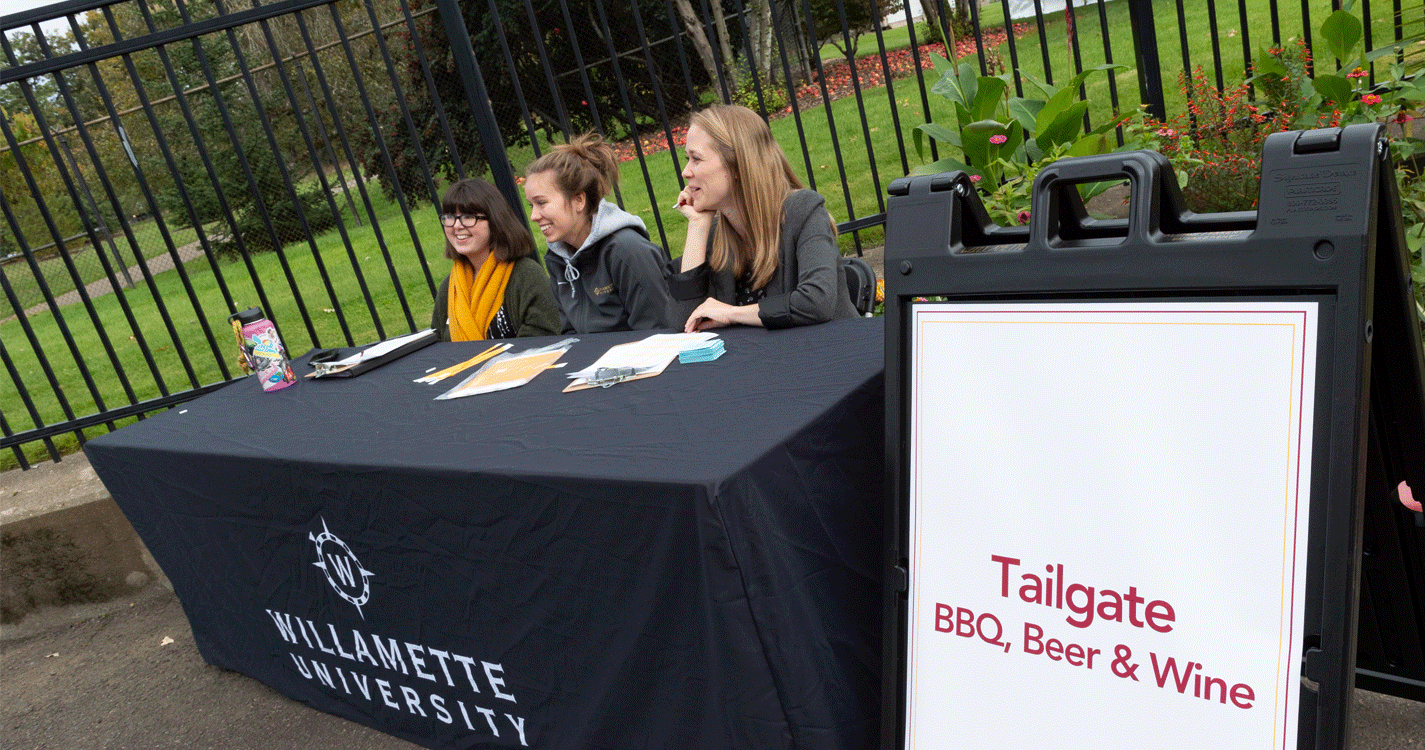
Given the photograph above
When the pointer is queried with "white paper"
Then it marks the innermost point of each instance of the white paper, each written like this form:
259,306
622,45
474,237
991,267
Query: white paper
380,348
651,354
1157,451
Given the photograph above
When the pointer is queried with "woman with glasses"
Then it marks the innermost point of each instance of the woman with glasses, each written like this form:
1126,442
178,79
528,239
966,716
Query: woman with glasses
496,289
607,275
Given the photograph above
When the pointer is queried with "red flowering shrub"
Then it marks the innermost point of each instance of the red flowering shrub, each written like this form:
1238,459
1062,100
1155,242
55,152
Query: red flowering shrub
1218,142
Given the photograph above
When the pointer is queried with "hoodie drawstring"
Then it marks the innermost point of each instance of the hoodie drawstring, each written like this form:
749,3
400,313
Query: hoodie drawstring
571,275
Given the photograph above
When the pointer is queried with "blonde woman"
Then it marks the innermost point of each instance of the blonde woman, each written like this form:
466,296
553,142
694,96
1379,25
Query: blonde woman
496,289
761,251
605,272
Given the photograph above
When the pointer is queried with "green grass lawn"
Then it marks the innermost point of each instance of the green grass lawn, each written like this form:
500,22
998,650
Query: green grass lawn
860,139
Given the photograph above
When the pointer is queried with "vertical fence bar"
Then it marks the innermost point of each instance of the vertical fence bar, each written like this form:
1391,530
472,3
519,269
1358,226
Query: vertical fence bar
322,180
1071,29
865,125
380,139
629,115
1216,45
718,62
301,75
1108,60
5,425
96,215
1187,61
1246,43
555,93
260,203
886,74
236,144
683,64
266,122
80,287
418,45
979,39
499,25
150,198
380,37
1145,53
40,357
319,70
479,99
29,405
920,79
1013,49
1043,38
792,93
830,115
63,88
583,69
662,115
99,169
1369,39
201,147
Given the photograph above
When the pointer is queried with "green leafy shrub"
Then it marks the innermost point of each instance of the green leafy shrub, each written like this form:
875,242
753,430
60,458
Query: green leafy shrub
775,97
1003,141
286,224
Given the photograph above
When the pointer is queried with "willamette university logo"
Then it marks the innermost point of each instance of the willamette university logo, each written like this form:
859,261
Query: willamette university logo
344,572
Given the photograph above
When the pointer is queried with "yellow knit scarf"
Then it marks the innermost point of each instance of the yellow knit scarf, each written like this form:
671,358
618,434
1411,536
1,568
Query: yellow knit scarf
474,298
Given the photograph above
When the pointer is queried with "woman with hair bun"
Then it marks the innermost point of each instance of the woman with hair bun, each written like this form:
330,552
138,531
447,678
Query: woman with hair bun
605,273
761,251
496,289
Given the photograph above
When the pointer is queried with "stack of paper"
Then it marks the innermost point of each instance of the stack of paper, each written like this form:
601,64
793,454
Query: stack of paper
705,353
647,357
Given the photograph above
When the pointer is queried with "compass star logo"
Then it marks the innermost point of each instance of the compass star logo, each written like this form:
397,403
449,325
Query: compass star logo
344,572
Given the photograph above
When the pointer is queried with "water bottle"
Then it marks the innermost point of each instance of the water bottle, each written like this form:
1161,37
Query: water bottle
262,349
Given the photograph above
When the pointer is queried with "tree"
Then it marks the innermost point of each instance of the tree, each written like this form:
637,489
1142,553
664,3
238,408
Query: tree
585,82
861,16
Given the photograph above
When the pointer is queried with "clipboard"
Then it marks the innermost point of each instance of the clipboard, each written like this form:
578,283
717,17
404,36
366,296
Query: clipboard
648,357
372,356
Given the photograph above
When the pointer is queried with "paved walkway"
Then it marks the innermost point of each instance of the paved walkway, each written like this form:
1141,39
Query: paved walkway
156,265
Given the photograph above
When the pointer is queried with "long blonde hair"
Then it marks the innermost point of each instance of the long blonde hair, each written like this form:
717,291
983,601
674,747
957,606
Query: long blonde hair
586,165
761,177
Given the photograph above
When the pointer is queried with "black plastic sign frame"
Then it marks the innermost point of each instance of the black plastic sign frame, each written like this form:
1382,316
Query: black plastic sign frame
1328,229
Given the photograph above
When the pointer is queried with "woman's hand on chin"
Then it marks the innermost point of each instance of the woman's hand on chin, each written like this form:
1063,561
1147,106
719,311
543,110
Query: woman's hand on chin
685,207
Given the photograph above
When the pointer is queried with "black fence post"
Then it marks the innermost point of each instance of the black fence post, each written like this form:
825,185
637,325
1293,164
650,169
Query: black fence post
1145,51
479,99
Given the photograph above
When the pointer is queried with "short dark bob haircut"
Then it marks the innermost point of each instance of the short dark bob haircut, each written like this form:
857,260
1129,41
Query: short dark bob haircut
509,236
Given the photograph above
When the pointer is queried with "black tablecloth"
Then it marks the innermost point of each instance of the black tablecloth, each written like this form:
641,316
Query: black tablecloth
685,561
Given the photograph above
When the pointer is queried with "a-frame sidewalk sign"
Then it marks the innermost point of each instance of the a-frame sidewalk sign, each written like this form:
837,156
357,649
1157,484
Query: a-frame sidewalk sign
1147,474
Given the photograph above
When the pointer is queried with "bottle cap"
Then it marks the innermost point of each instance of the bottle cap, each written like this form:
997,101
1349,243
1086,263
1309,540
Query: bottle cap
250,315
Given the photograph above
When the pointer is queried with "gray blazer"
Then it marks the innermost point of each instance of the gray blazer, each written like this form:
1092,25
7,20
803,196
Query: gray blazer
808,286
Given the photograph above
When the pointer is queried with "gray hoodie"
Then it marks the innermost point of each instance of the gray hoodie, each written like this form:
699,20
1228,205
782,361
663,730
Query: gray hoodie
614,281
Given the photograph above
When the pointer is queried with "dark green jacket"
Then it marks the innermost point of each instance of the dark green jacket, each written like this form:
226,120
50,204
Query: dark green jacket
528,310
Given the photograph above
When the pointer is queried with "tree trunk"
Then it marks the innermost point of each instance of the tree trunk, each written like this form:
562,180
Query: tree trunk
764,63
699,39
729,63
931,9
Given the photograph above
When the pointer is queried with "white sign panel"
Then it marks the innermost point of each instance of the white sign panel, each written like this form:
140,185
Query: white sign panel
1108,516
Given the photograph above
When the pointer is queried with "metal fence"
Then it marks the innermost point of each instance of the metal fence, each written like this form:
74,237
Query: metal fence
166,163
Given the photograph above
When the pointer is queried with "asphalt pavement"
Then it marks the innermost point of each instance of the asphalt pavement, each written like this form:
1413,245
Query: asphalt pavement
129,677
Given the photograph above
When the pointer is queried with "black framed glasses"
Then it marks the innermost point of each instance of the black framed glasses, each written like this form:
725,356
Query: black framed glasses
464,220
